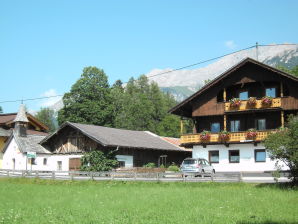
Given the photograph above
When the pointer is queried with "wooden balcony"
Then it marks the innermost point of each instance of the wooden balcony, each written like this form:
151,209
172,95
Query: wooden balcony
235,137
276,103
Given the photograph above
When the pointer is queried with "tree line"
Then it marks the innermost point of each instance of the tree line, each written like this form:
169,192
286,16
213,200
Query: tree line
138,105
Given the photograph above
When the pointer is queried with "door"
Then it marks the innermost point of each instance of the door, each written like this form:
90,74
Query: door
74,164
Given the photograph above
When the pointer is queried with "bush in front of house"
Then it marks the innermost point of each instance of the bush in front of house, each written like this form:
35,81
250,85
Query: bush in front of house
97,161
173,168
149,165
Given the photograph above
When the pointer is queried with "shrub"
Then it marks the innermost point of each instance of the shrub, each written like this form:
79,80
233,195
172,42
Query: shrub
173,168
149,165
97,161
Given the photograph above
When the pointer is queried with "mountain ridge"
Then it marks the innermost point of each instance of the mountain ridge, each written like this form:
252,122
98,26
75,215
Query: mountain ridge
183,83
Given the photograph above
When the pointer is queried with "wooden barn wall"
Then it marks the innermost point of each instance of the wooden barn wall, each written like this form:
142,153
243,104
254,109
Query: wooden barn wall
69,140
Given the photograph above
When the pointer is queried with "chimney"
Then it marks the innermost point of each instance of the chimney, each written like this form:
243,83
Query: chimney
21,122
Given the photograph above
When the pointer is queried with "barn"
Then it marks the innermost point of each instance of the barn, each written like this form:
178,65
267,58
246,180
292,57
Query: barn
133,148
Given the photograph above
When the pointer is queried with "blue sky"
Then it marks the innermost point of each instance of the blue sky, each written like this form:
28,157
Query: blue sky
44,45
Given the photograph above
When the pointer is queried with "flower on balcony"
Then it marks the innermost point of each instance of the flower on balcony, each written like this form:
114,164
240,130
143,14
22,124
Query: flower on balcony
251,133
266,100
252,101
224,136
235,102
205,135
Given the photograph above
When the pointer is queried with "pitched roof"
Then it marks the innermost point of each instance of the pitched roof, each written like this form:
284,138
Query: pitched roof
30,143
175,141
21,116
225,74
4,133
113,137
6,119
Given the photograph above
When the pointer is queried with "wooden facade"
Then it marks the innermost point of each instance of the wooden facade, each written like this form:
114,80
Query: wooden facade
249,78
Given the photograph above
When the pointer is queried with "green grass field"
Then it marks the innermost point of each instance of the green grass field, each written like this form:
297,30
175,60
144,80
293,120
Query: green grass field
41,201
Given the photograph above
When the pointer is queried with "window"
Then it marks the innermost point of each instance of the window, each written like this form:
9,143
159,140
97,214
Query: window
33,161
207,163
215,127
45,161
214,156
189,161
235,126
243,95
234,156
59,165
260,155
271,92
121,163
261,124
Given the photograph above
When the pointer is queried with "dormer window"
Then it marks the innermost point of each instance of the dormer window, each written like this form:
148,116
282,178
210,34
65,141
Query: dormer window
271,92
243,95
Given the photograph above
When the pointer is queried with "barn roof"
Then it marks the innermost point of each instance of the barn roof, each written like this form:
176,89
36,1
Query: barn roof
113,137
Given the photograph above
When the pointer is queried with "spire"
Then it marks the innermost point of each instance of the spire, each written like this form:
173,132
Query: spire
21,121
21,116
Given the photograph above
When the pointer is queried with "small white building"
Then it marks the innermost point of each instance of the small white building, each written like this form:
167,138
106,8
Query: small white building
22,151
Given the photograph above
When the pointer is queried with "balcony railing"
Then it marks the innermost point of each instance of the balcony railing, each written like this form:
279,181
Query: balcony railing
276,102
234,137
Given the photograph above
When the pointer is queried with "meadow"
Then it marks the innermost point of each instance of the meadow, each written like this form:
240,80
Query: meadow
48,201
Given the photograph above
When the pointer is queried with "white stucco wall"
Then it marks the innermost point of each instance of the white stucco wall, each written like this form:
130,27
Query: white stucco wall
127,159
21,163
53,161
247,157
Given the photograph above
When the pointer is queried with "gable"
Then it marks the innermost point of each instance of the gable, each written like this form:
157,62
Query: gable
246,72
7,121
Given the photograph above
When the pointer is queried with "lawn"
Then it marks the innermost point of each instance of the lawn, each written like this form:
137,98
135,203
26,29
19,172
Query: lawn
41,201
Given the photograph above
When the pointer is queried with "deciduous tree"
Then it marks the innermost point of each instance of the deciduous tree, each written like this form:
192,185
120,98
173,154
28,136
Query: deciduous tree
89,100
283,145
47,116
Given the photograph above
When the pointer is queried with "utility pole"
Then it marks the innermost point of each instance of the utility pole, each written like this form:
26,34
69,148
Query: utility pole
257,51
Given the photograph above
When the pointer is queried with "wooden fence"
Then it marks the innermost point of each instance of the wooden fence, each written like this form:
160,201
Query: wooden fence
122,175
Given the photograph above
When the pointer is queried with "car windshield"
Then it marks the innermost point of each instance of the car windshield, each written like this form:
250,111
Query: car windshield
189,161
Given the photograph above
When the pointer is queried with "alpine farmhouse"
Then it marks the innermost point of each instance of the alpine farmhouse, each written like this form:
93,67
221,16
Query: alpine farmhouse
235,112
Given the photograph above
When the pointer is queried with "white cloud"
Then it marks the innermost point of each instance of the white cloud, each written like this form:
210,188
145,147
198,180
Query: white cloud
50,101
230,44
